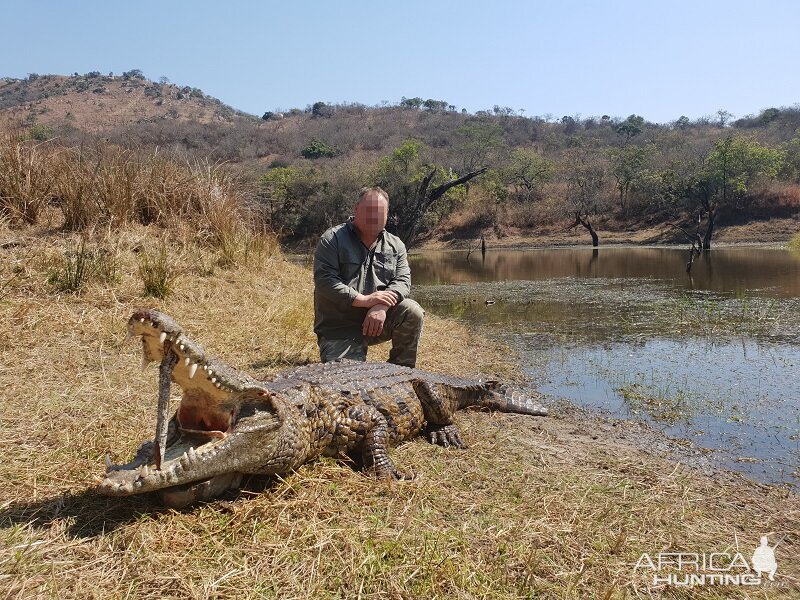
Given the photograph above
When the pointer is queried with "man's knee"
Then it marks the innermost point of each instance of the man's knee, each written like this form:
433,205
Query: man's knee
412,312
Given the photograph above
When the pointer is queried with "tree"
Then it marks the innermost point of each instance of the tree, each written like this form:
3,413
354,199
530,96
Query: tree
733,164
431,105
584,179
627,166
527,171
630,127
320,110
415,189
415,103
479,143
723,116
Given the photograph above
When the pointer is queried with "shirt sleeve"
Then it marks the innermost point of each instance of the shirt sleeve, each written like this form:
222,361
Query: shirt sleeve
401,283
328,282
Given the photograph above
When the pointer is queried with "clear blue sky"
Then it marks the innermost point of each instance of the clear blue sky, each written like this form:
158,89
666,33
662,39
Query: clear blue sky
659,59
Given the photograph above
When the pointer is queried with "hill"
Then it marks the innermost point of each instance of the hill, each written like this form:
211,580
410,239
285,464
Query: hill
95,103
543,176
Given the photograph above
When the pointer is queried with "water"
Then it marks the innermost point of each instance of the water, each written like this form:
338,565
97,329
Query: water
712,357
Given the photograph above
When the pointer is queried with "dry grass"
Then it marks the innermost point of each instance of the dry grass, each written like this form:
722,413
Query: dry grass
108,187
550,508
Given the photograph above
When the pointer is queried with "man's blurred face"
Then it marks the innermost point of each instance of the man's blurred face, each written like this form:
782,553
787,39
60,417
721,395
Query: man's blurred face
371,214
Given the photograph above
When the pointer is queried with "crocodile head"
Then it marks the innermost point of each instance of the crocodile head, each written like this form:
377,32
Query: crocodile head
227,424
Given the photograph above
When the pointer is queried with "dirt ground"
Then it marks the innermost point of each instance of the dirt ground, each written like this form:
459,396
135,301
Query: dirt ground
773,231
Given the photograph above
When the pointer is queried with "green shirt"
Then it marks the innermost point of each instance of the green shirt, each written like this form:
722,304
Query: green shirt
344,267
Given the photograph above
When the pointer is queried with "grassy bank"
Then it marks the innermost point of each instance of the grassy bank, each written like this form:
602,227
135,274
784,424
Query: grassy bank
560,507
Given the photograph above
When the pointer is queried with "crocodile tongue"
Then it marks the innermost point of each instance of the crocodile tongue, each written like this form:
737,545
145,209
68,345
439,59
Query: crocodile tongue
162,421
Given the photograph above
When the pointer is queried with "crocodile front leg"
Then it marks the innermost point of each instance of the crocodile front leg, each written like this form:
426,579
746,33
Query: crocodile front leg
369,426
439,415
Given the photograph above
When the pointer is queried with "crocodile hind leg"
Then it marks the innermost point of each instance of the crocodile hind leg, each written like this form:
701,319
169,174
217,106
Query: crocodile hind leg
374,449
438,411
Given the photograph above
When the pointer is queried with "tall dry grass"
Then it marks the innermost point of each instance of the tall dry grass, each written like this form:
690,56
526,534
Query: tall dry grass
106,186
27,179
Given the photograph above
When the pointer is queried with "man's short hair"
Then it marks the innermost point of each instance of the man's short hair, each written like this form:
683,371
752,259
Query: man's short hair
367,190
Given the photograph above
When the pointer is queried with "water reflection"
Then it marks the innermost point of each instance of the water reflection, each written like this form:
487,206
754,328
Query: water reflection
713,358
773,272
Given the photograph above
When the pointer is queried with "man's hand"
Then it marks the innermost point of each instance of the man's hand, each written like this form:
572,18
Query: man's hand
373,323
386,298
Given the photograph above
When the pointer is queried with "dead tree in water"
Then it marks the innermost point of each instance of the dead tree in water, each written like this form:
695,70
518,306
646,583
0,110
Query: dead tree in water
697,242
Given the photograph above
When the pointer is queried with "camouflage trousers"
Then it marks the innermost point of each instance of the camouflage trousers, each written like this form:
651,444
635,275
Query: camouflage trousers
403,326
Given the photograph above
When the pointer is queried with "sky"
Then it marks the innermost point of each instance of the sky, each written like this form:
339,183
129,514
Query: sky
658,59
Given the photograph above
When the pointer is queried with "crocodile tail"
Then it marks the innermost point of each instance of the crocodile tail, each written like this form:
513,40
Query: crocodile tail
498,396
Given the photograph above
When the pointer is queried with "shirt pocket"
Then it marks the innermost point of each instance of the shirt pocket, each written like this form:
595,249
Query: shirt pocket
385,266
350,264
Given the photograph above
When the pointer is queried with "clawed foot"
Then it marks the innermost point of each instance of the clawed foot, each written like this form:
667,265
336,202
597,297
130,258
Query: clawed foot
444,435
389,472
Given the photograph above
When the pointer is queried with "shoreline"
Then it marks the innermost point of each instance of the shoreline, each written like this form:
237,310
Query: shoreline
774,231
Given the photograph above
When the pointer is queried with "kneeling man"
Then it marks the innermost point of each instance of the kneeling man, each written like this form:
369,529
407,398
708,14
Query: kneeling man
361,284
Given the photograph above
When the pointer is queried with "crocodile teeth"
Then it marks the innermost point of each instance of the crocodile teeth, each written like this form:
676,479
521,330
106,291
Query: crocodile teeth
109,464
192,454
210,372
213,379
186,361
162,337
185,461
205,367
141,320
145,471
192,370
182,347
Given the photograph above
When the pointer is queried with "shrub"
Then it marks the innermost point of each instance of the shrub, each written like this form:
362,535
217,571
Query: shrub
41,133
79,267
318,149
158,275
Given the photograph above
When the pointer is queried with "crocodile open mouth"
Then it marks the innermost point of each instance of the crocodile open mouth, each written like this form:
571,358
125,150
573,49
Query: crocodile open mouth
206,414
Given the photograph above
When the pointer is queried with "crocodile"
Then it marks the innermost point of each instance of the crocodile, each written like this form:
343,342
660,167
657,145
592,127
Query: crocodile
229,425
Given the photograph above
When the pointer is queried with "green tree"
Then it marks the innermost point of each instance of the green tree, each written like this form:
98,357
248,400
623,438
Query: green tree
411,102
630,127
731,167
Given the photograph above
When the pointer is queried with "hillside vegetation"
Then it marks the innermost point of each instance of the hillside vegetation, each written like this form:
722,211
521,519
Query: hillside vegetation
504,173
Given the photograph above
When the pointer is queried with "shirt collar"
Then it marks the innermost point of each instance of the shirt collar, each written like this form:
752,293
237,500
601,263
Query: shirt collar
351,226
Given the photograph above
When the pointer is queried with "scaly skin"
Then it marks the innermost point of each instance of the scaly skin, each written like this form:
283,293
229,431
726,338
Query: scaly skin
229,424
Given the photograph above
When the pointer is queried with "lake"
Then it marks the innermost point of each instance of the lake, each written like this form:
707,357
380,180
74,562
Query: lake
712,357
